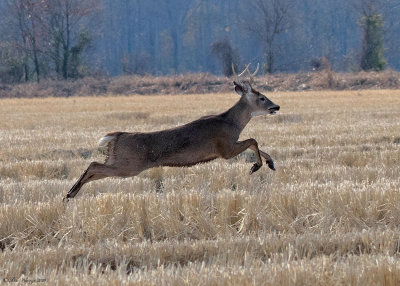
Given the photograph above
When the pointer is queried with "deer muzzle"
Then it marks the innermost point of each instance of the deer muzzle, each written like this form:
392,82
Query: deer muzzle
273,109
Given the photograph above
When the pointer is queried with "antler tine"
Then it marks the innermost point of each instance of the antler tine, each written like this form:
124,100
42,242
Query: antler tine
251,75
246,69
239,75
234,72
256,71
233,69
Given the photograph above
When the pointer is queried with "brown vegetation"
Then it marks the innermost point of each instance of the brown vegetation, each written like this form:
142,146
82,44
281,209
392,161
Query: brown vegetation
328,215
201,83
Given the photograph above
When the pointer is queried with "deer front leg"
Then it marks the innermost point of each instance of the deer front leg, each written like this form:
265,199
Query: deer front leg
228,151
268,160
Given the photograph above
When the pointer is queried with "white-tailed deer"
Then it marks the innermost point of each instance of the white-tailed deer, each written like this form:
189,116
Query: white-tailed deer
203,140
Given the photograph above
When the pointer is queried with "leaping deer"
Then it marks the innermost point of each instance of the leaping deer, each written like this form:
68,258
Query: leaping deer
203,140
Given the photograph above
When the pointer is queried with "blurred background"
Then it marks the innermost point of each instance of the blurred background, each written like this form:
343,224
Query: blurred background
61,39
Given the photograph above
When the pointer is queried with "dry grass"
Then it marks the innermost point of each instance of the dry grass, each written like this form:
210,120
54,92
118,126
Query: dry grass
329,215
201,83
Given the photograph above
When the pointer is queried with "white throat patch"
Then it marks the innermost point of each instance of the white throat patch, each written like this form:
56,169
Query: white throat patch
258,113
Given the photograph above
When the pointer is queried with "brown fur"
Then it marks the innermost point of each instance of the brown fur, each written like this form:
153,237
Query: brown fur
200,141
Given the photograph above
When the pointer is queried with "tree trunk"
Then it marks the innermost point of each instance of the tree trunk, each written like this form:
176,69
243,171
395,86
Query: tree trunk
36,63
270,59
26,69
67,41
35,52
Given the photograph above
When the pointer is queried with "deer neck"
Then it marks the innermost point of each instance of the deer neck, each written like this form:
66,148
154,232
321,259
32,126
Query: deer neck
239,114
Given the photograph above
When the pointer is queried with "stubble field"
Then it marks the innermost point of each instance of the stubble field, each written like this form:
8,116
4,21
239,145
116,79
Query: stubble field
329,214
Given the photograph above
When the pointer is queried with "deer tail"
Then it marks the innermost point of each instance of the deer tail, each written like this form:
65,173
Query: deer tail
106,143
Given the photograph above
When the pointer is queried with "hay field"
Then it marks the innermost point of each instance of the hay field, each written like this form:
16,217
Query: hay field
329,215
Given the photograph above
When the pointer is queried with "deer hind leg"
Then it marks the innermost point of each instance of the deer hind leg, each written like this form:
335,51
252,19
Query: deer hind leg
95,171
232,151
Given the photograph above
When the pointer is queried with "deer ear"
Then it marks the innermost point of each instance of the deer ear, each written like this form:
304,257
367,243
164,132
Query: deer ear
238,88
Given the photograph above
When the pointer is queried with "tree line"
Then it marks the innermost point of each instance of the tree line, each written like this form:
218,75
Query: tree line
74,38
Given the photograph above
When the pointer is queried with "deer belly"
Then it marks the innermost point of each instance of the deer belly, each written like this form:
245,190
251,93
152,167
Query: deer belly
186,157
187,161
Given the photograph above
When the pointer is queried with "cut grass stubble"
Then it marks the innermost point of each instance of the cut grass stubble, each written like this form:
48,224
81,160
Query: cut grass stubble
328,215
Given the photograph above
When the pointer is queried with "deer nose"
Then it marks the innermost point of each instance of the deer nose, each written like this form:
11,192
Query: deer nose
274,107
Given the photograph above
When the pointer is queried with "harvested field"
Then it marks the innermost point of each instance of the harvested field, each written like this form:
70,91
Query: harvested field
329,215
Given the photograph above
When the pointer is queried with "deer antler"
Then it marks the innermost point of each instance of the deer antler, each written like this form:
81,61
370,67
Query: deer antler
236,75
251,75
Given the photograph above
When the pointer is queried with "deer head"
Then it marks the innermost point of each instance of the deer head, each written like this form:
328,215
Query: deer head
257,102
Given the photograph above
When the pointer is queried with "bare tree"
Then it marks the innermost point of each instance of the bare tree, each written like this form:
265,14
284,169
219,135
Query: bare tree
67,38
50,29
27,16
269,19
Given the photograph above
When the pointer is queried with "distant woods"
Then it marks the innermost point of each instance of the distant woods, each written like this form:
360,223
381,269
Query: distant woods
65,39
45,38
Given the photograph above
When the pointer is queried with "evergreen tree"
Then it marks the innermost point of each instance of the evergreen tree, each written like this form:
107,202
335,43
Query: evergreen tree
372,44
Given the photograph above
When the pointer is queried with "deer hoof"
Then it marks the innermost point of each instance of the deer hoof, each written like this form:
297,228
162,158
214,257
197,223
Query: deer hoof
270,164
254,168
66,198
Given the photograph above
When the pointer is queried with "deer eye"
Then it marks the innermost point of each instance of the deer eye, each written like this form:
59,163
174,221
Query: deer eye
262,98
